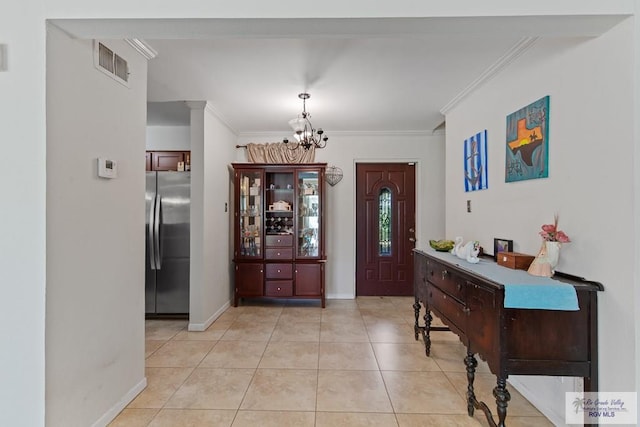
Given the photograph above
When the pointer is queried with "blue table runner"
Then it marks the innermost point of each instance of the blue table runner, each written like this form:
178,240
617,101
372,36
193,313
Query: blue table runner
521,290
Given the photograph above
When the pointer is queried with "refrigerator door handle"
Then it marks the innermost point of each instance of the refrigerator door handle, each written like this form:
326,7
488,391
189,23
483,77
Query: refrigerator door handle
157,231
151,234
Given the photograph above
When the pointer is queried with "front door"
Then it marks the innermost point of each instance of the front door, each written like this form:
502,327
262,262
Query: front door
385,230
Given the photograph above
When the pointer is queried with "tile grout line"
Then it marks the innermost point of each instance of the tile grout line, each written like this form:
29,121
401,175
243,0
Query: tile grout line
371,333
255,371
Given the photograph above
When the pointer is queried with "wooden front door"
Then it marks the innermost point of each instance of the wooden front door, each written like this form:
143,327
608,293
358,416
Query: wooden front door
385,228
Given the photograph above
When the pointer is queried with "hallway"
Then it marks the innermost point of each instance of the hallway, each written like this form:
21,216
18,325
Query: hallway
278,363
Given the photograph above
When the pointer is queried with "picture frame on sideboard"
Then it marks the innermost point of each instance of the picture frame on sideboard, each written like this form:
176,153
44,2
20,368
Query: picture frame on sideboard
501,245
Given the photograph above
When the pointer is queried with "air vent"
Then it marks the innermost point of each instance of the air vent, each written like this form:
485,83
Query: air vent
111,63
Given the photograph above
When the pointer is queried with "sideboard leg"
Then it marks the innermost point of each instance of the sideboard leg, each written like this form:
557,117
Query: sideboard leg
502,400
471,364
416,327
427,331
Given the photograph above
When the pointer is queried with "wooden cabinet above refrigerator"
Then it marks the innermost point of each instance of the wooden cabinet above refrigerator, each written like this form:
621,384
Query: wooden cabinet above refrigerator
168,160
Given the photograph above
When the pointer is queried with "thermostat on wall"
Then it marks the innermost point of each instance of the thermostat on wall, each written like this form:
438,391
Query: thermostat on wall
107,168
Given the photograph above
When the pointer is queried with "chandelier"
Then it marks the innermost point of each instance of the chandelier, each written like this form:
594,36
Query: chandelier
304,133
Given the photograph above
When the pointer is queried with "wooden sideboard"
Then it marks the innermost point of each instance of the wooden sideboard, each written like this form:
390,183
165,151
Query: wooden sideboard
511,341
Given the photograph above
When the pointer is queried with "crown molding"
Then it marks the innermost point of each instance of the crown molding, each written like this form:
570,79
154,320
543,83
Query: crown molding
143,48
280,135
374,133
196,105
215,112
206,106
514,52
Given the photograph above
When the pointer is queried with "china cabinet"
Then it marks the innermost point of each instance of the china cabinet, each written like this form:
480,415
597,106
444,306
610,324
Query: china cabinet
279,231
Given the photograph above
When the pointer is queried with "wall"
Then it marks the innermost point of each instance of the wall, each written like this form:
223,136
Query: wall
95,239
22,215
168,138
590,182
345,151
22,119
636,184
211,151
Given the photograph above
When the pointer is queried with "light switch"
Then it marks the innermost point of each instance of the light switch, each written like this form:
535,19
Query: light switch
468,205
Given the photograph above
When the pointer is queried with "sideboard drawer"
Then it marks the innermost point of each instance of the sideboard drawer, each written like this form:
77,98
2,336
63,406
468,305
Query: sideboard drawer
278,288
446,280
449,307
278,253
279,271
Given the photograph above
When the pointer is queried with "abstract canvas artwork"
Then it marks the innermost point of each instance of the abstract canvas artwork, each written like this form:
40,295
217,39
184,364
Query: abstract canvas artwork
528,142
475,162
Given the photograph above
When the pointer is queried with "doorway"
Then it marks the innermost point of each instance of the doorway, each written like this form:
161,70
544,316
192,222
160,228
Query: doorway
385,228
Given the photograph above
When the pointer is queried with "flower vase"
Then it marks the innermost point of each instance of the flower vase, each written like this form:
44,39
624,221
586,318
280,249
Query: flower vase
553,254
545,262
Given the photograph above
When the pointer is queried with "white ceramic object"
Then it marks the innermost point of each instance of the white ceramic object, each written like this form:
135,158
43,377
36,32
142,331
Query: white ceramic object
457,245
545,262
280,206
468,252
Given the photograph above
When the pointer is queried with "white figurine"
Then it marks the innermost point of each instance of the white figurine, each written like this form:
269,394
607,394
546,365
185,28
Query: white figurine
457,245
468,252
472,257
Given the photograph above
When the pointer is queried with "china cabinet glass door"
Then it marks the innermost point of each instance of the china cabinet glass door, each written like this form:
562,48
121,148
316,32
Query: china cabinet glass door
250,213
309,211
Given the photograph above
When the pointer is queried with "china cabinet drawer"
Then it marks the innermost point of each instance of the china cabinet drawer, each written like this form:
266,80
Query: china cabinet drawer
279,241
278,288
278,253
279,271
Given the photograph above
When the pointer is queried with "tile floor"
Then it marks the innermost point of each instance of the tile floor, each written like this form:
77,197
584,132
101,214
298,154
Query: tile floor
291,363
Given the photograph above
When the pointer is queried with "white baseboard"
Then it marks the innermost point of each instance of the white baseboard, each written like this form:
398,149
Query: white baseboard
340,296
558,420
113,412
199,327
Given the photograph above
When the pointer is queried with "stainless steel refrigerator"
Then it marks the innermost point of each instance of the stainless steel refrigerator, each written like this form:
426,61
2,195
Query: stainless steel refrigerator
168,199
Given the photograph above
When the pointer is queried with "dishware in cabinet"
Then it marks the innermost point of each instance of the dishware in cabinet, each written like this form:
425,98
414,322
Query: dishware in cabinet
309,213
248,214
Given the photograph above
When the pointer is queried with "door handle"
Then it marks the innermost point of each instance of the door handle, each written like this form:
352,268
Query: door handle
151,234
157,230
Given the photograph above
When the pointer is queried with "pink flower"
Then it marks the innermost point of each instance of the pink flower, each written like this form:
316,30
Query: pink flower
550,232
549,228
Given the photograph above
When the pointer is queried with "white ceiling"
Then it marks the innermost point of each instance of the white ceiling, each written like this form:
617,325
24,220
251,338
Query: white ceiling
364,75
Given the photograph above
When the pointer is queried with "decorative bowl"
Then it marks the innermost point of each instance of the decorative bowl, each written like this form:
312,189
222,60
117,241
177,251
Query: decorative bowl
441,245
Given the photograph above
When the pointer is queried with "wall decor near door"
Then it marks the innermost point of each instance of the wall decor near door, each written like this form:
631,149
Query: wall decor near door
527,150
475,162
